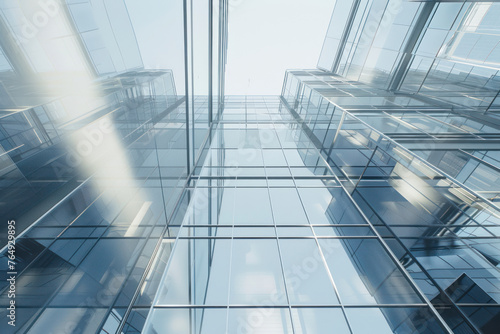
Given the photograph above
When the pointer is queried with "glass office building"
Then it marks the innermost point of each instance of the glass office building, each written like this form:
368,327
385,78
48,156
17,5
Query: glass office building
363,199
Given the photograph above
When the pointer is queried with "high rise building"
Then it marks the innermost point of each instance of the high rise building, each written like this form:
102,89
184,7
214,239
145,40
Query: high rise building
363,199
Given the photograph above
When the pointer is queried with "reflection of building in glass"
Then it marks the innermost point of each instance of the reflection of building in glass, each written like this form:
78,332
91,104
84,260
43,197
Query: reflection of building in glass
364,199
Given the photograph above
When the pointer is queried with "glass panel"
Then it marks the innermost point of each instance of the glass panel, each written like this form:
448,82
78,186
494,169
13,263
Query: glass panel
307,279
260,320
256,275
364,273
287,207
187,321
252,207
65,320
319,320
392,320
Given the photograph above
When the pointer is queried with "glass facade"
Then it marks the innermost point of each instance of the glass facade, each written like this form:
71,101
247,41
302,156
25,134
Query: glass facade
363,199
445,50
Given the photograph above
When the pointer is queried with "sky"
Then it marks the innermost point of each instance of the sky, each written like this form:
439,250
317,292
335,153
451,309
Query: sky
266,37
158,27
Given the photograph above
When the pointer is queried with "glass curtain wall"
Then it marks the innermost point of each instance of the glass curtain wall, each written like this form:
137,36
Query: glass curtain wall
96,152
364,199
443,232
272,243
446,50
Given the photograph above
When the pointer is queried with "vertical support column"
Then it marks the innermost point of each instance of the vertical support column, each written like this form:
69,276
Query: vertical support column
191,46
345,35
186,75
223,19
210,60
417,30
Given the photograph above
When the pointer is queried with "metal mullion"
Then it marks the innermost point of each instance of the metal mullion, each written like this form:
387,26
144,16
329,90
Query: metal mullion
283,306
285,225
449,124
230,256
186,83
401,121
271,237
364,170
210,61
192,85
